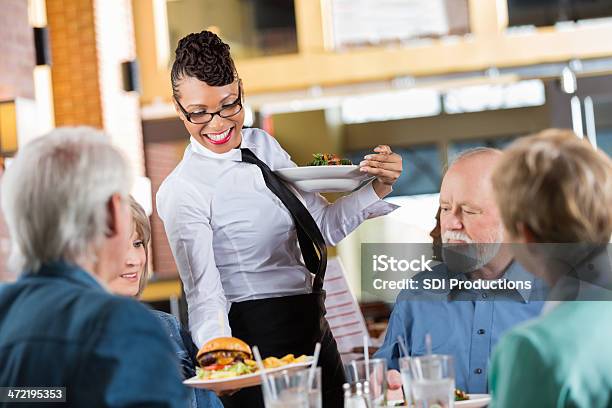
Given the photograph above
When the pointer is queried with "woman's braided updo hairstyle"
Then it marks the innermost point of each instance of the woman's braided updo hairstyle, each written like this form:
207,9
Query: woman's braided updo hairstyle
205,57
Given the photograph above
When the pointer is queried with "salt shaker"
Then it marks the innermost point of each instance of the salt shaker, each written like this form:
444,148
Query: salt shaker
360,397
366,394
354,400
348,393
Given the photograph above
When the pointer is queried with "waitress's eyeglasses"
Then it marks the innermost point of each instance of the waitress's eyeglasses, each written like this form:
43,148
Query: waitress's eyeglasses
202,117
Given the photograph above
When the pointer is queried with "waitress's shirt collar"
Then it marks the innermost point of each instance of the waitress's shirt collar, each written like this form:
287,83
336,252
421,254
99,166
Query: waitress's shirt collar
234,154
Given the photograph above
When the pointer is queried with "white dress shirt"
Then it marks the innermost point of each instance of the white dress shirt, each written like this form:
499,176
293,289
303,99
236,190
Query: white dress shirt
233,239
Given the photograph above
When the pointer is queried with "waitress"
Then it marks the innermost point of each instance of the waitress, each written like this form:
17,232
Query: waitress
234,227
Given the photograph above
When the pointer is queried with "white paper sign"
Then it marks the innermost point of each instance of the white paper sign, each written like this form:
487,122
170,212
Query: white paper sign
343,312
374,21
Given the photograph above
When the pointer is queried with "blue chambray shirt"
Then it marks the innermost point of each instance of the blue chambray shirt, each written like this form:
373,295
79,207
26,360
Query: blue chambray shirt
186,352
466,324
61,328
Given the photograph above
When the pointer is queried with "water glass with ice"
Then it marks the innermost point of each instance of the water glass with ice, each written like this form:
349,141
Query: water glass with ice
286,390
404,365
375,372
433,381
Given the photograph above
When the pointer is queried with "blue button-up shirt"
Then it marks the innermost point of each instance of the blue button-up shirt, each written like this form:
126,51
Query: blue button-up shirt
60,328
465,324
186,352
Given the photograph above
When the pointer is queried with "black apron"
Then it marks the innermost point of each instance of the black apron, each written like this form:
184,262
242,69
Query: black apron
288,325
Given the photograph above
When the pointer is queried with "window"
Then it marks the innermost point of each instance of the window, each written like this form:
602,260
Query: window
604,140
422,169
602,106
456,148
252,28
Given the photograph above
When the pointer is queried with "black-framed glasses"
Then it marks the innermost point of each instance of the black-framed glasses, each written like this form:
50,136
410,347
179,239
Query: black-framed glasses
203,117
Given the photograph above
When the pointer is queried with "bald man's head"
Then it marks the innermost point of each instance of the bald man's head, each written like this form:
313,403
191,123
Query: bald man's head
468,208
476,154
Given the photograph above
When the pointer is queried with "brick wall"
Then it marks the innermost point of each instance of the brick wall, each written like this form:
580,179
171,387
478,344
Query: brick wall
16,51
76,89
161,158
89,40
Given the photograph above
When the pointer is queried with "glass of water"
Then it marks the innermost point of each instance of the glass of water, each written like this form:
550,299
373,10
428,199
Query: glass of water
286,389
375,372
404,365
315,399
433,381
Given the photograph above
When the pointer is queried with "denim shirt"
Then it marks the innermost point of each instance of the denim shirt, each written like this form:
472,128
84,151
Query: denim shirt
60,327
467,329
186,352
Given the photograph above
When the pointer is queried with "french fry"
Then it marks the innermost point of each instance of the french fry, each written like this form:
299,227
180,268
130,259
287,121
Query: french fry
288,359
301,359
272,362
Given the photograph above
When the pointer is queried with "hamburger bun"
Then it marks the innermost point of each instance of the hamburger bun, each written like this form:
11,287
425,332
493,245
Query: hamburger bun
225,344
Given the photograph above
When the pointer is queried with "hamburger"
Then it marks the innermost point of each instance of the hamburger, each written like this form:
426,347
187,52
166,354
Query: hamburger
225,357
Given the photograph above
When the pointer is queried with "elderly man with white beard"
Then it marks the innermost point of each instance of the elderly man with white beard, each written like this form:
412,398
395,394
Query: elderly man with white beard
465,324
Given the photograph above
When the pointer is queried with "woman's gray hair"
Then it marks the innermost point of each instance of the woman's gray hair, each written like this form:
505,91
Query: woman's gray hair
55,196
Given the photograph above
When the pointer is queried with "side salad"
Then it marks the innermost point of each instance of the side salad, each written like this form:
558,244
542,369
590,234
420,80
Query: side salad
328,159
214,372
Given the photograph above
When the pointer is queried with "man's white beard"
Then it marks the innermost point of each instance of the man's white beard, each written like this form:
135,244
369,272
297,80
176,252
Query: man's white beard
471,256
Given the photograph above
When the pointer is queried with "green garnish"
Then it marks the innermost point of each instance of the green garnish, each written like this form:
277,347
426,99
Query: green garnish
328,159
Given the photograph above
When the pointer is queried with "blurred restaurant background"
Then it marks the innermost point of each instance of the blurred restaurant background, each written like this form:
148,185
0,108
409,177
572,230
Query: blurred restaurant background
430,78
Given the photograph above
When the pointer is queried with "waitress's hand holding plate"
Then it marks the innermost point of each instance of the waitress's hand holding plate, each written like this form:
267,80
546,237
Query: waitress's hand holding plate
385,165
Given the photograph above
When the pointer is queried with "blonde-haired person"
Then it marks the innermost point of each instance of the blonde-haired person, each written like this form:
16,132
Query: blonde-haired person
135,274
555,197
132,283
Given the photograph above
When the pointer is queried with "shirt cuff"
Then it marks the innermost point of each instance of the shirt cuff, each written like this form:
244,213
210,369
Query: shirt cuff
372,205
366,195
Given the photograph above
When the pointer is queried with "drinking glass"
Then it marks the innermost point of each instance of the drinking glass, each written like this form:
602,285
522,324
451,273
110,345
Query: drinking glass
433,381
315,399
375,372
404,365
286,389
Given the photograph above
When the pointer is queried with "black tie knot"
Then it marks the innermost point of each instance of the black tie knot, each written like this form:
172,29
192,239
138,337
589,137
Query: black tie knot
248,156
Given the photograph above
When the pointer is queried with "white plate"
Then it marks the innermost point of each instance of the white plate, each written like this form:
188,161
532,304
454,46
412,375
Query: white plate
327,185
319,172
242,381
323,178
475,401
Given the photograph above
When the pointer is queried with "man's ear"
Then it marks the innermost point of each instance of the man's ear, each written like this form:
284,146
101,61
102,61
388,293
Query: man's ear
113,208
525,234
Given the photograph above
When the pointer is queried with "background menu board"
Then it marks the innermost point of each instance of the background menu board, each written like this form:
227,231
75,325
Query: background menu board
362,22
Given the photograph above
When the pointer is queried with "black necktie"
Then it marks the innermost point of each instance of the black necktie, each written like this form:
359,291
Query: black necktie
309,236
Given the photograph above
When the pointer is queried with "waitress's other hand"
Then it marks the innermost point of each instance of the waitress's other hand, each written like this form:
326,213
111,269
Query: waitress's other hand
394,383
394,379
385,165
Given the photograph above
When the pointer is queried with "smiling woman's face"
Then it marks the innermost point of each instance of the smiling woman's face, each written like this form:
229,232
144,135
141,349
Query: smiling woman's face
220,135
128,283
